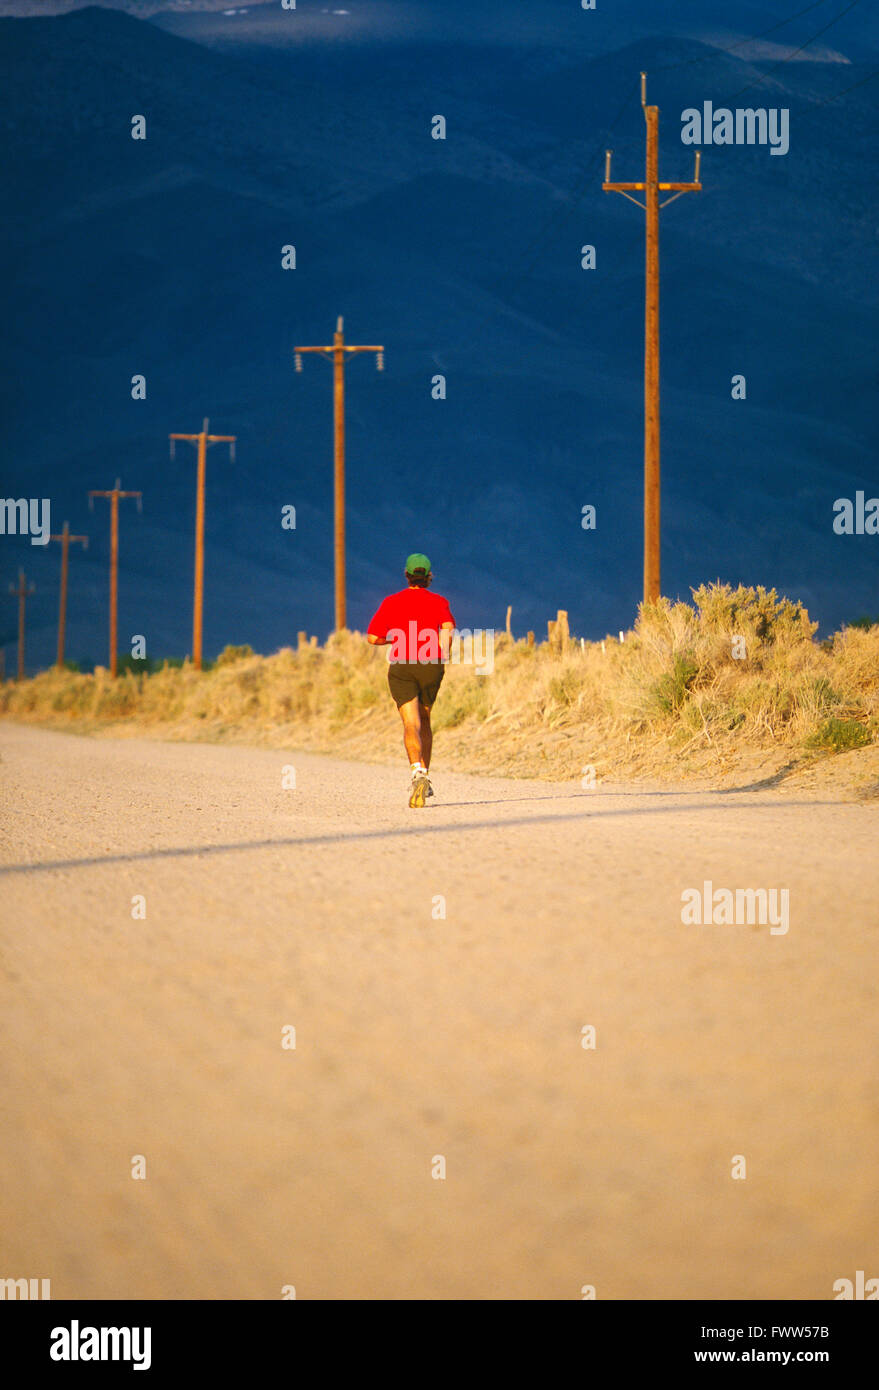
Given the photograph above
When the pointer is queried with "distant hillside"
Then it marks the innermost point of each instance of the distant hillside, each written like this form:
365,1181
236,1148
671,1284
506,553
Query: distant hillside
462,256
142,9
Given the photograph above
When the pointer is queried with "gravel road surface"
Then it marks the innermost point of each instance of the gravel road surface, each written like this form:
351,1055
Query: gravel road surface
169,910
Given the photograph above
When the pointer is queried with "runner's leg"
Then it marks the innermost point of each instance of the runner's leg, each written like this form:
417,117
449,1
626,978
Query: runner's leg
410,713
426,734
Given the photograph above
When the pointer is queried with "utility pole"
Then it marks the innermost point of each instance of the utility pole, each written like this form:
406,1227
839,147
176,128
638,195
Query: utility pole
337,351
114,494
65,538
651,188
201,441
22,593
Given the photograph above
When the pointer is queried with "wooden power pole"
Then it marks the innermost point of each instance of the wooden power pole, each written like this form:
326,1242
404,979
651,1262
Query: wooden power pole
65,538
114,494
22,593
201,441
337,351
651,188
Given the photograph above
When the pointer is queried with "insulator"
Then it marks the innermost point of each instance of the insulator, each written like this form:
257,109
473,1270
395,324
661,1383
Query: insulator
297,362
379,361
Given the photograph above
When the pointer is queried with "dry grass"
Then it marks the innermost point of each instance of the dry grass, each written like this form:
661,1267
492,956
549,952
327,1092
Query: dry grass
672,701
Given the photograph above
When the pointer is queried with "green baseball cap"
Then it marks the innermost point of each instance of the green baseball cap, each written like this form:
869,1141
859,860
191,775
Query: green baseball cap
417,562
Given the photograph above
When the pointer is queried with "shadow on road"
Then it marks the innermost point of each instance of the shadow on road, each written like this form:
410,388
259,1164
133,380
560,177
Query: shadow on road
416,828
765,783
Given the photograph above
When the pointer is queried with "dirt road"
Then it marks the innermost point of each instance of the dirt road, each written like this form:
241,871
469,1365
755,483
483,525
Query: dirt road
422,1037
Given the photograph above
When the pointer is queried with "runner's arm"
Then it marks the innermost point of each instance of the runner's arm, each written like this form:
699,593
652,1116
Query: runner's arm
445,637
377,632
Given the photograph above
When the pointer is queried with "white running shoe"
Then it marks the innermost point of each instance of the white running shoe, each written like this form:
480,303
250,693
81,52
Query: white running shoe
420,787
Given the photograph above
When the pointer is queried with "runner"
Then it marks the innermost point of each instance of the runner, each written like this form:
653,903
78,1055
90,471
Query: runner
418,627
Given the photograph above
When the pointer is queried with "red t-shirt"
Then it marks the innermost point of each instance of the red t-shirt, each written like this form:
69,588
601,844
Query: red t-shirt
412,619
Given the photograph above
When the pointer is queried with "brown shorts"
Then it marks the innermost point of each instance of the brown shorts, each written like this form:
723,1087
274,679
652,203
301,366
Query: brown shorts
410,680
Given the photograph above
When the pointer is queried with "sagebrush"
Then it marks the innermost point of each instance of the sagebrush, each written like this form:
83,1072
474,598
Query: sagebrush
693,686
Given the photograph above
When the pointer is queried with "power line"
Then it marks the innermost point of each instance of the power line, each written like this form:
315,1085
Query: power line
766,76
201,441
651,187
113,494
743,43
66,539
22,593
336,351
845,91
561,218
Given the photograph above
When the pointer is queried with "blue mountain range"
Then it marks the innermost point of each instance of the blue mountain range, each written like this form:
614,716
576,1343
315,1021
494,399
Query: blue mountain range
312,128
